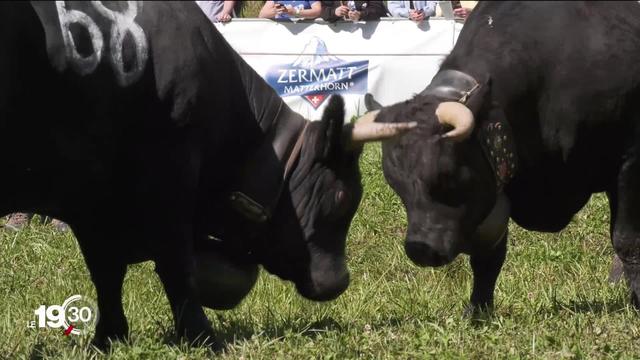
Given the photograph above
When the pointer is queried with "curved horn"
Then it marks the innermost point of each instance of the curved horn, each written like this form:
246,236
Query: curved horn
457,115
366,130
368,117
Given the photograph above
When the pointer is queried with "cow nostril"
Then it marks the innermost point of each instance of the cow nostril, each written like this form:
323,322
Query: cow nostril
422,254
324,288
331,290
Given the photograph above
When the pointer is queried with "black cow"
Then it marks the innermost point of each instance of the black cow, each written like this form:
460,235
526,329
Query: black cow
140,127
536,108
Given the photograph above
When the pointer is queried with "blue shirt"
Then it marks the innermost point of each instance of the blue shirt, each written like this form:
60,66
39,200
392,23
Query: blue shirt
296,4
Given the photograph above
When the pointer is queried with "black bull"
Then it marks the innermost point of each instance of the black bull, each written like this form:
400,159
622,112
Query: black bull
140,127
536,108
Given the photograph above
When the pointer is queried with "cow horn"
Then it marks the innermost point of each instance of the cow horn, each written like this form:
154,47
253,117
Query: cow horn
457,115
366,130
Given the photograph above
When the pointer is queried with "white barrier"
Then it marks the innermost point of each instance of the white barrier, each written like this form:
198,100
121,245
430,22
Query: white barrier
307,61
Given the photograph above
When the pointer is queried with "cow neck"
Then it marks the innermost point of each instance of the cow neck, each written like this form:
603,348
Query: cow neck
269,166
263,185
494,135
264,172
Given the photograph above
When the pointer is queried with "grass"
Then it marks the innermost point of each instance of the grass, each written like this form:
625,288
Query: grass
553,300
250,9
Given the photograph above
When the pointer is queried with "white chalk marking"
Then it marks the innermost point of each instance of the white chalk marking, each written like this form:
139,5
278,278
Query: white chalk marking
122,23
83,65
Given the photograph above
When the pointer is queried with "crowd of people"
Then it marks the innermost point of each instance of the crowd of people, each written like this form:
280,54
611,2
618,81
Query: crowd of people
287,10
332,11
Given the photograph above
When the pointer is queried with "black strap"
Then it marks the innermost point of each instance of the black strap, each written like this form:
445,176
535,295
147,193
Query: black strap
411,5
451,85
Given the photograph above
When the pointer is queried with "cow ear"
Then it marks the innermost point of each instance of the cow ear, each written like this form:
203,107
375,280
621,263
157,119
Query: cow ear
332,122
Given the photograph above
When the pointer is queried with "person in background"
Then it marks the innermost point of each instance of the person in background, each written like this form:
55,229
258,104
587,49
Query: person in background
17,221
284,10
218,11
460,10
413,10
333,11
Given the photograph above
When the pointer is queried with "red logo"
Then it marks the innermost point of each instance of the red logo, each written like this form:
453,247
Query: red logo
315,100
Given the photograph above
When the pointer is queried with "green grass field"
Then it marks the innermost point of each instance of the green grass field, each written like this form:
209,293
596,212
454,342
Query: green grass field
552,299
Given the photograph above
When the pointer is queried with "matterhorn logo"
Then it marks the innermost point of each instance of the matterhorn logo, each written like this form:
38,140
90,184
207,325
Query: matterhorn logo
316,74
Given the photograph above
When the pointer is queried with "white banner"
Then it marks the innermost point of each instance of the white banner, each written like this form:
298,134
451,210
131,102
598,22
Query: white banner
306,62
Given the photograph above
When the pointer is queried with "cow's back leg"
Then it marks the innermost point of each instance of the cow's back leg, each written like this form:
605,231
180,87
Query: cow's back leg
107,273
626,226
486,267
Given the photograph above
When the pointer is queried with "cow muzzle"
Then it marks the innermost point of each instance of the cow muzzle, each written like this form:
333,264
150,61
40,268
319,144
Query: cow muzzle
326,281
423,254
432,245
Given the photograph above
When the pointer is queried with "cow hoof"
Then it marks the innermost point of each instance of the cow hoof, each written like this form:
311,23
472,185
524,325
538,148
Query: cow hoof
617,270
204,338
478,311
103,343
105,335
196,330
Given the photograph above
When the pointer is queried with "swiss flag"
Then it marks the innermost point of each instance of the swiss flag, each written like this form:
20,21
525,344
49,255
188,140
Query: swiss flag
315,100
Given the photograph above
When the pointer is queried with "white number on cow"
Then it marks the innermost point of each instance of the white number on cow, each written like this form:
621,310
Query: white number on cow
122,23
82,65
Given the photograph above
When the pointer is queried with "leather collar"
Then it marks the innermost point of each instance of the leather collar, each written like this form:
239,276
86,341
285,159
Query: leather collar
452,85
494,135
240,232
263,180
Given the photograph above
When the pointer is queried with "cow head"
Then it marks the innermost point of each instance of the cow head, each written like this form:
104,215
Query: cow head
443,178
306,243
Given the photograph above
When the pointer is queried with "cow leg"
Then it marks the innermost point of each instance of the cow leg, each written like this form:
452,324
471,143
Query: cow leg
170,199
112,324
177,276
616,272
107,275
626,227
486,268
175,265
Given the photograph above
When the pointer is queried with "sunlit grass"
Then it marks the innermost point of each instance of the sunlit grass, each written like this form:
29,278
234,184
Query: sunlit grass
552,299
250,9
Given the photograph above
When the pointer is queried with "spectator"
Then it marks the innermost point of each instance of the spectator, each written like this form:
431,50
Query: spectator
218,11
284,10
414,10
333,11
460,10
17,221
